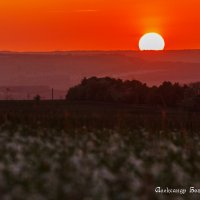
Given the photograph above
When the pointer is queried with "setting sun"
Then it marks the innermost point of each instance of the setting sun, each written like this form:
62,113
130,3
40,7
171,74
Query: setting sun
151,41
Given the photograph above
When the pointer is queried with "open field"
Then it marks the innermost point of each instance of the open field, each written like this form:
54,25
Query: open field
59,150
61,114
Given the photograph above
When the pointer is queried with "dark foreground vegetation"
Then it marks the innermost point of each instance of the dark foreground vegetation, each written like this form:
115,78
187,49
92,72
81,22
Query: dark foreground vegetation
98,151
40,164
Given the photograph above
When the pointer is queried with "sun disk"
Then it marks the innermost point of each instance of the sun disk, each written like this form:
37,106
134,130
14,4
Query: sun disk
151,41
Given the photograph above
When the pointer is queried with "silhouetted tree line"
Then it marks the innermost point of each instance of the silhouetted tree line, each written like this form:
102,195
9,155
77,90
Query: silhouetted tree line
134,92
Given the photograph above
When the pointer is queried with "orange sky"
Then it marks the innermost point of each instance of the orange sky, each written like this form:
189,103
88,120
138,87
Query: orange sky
46,25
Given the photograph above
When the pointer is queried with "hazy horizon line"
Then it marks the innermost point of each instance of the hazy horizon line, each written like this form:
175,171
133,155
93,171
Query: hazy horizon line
111,50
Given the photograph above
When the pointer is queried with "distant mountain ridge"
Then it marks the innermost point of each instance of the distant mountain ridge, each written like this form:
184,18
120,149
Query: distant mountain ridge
61,70
192,55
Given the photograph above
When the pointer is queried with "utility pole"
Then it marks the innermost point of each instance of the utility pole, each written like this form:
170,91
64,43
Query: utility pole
7,93
52,94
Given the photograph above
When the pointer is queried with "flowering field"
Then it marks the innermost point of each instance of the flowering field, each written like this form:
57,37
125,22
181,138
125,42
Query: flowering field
102,164
97,153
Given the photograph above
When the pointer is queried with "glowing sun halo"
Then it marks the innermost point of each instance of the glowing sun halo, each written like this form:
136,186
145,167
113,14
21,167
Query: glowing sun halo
151,41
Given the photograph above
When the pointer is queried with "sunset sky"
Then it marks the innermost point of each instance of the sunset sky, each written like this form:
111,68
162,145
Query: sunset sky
41,25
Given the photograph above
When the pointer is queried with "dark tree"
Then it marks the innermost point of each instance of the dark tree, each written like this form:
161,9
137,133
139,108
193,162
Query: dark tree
132,92
37,98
